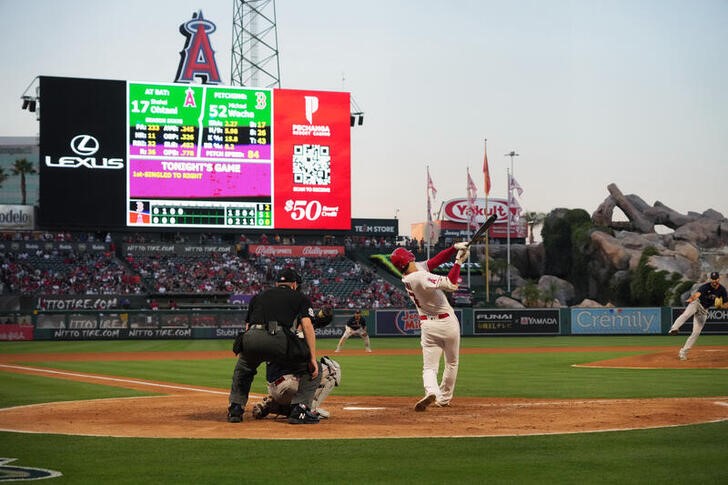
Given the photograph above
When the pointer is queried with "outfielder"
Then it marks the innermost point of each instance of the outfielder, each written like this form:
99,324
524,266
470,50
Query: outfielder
709,294
283,385
356,325
439,327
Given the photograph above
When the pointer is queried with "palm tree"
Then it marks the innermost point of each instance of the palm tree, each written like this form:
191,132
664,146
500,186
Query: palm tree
3,176
22,167
533,219
531,294
549,294
498,268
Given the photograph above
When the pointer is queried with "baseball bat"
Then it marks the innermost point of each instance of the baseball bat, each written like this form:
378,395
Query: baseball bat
483,229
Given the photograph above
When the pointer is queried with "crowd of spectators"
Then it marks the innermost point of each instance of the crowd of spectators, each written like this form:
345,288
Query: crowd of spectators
54,272
211,273
339,282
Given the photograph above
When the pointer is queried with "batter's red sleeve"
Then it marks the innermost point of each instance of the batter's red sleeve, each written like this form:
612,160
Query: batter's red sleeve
454,274
441,257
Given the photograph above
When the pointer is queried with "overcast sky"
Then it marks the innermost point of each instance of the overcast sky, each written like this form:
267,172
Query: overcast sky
589,93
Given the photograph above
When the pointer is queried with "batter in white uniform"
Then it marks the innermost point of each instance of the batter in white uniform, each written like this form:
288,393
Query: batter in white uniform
439,327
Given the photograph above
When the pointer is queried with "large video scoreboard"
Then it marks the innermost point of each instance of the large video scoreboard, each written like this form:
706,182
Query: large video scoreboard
133,154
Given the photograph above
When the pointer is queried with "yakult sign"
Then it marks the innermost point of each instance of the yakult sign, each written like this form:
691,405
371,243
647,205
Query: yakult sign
456,210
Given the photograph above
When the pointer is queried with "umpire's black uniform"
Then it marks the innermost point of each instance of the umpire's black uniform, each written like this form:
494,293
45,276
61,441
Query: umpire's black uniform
285,305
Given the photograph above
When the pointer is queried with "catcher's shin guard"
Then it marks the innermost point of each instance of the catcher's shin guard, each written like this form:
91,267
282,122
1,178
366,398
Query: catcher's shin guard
330,378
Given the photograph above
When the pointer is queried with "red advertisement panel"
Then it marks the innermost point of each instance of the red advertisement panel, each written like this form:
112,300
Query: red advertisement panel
285,251
16,332
312,174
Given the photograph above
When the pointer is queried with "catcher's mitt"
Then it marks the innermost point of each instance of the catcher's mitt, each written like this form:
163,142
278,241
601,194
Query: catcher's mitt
323,317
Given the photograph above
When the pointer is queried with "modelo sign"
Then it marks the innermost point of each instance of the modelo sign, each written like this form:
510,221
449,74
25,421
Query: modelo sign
16,217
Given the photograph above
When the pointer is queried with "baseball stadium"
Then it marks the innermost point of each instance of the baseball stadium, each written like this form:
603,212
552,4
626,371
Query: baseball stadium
140,245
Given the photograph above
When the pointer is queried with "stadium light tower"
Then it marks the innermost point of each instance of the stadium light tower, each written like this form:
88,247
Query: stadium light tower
255,45
31,98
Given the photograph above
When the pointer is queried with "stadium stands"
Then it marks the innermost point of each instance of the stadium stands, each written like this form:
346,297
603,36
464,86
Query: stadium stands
56,266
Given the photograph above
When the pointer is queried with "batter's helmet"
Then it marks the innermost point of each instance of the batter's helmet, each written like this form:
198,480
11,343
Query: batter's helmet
401,257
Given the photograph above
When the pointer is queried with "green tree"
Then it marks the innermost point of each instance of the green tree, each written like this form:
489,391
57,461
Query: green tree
498,268
650,287
3,176
23,167
531,294
549,295
563,237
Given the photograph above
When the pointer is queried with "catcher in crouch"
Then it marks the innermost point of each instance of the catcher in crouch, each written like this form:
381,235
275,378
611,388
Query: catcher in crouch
283,384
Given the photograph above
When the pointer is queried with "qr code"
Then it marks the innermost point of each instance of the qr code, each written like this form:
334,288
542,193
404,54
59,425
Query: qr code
311,165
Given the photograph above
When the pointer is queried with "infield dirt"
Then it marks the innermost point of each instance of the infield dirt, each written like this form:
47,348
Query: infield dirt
196,412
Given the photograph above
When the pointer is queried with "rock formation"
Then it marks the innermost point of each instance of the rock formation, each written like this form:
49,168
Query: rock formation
706,230
697,245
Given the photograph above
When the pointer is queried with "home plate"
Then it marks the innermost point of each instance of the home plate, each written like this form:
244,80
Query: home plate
356,408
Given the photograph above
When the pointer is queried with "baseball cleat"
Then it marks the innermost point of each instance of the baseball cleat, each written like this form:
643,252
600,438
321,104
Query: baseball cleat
672,332
235,413
424,402
322,413
301,415
683,355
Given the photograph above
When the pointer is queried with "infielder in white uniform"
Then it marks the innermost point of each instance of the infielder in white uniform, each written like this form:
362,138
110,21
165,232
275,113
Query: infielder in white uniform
439,328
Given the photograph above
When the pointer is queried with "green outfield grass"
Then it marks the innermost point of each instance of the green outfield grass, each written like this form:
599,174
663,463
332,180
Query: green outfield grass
685,454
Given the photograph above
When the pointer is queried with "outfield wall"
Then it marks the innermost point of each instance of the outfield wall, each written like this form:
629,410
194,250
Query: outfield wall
225,323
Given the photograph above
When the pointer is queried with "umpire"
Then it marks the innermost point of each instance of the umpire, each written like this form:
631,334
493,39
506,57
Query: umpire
273,316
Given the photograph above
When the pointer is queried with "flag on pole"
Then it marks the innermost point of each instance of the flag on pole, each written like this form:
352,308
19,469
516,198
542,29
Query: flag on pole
514,205
430,186
486,172
516,186
431,194
486,189
472,199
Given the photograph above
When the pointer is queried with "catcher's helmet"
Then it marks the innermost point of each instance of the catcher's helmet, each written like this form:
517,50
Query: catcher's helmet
401,257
